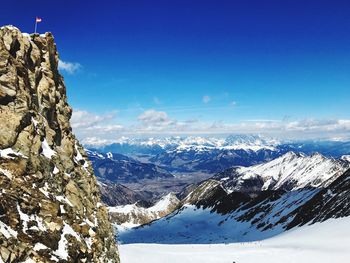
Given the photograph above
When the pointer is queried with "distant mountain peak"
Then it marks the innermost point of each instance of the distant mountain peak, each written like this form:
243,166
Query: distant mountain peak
199,143
290,171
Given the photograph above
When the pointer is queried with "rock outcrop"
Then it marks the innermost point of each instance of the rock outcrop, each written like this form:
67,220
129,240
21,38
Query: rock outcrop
50,209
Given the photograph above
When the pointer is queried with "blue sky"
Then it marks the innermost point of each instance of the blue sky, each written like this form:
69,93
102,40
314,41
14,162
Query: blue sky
167,67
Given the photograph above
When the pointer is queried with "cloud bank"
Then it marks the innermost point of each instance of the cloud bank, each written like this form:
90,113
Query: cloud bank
105,128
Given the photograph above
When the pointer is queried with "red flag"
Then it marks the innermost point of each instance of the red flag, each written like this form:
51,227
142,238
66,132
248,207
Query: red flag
38,20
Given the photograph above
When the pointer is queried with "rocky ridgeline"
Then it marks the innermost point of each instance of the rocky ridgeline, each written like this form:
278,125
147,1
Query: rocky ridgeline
50,208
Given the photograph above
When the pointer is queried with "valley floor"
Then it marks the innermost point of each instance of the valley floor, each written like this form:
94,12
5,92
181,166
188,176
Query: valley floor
322,243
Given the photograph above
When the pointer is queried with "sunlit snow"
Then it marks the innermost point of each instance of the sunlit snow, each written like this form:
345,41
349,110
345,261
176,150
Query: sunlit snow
322,243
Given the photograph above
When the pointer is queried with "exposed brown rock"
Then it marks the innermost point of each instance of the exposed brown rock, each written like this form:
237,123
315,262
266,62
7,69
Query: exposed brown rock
50,208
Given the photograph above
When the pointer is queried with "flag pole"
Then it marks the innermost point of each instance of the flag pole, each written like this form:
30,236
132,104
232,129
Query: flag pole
36,23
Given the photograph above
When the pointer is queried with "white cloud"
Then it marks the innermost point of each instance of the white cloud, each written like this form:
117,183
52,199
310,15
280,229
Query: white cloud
106,128
233,103
206,99
89,126
95,141
69,67
102,129
83,119
153,117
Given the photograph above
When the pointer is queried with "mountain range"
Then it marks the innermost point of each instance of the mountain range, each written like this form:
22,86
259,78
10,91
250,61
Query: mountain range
254,203
212,154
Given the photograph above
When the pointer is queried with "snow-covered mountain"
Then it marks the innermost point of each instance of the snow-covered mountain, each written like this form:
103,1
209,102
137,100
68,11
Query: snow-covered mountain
291,171
215,154
247,204
176,143
134,214
330,202
153,146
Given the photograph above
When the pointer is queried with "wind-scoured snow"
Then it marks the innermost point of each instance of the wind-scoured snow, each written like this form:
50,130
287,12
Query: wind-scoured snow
322,243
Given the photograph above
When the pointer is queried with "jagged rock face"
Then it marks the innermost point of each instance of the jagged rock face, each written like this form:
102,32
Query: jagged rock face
50,208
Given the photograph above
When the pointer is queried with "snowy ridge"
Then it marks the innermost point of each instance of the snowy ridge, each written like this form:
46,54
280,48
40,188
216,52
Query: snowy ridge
134,215
176,143
290,172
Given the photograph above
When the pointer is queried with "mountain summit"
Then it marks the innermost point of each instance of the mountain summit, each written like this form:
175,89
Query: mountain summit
50,208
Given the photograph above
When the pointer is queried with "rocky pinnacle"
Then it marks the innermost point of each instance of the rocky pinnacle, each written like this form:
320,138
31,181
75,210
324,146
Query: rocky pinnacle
50,209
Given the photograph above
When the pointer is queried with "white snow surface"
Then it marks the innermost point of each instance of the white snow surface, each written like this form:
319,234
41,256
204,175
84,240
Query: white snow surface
79,157
9,153
47,151
55,170
62,250
295,169
7,231
7,173
322,243
163,204
39,246
25,218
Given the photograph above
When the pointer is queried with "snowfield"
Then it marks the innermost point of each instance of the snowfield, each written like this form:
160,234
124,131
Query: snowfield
322,243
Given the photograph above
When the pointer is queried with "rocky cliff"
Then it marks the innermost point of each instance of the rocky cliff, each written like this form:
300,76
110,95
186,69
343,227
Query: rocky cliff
50,208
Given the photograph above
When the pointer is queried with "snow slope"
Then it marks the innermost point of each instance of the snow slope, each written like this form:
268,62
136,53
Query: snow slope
291,171
192,225
322,243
